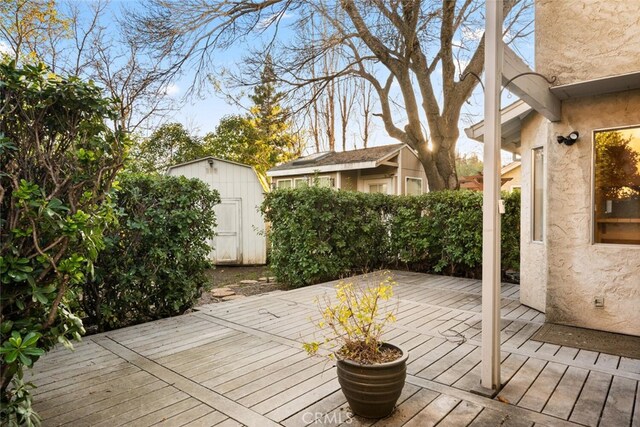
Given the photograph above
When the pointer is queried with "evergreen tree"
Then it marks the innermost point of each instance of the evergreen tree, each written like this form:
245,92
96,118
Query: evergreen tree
263,138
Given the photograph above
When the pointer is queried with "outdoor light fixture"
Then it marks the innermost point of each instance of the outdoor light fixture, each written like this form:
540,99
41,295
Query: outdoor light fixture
570,139
211,162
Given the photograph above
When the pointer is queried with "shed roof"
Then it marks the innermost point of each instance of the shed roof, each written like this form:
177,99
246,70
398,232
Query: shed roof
217,159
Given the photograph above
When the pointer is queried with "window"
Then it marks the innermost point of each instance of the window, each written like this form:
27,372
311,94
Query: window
301,182
378,188
413,186
617,186
537,155
323,181
283,183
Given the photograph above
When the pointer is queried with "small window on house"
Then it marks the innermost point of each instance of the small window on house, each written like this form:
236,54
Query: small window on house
283,183
323,181
301,182
537,155
413,186
617,186
378,188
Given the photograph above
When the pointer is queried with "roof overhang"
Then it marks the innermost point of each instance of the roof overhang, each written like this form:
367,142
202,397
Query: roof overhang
339,166
601,86
511,122
323,169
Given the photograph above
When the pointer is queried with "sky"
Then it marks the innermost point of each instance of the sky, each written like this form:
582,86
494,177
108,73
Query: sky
201,114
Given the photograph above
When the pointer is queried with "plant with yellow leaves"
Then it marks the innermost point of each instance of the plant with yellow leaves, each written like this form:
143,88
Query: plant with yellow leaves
354,321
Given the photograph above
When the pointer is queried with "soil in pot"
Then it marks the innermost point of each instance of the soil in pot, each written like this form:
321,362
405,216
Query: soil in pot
372,390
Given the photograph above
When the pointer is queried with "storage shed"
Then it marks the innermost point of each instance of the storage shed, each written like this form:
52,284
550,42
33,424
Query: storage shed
239,238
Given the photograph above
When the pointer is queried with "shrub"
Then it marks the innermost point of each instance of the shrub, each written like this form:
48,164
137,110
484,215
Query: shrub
58,158
155,260
320,234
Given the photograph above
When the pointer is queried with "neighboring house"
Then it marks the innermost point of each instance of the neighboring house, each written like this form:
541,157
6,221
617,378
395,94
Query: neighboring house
580,242
510,179
510,175
389,169
239,238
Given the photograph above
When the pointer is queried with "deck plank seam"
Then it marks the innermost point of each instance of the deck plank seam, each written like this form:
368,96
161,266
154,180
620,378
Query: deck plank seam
233,409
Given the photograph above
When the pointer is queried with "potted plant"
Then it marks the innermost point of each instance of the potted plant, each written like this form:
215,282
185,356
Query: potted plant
371,372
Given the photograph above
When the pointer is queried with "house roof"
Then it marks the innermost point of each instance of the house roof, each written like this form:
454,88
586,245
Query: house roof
511,116
601,86
511,166
511,119
330,161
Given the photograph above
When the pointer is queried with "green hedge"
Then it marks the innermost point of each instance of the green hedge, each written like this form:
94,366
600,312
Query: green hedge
155,260
58,158
318,234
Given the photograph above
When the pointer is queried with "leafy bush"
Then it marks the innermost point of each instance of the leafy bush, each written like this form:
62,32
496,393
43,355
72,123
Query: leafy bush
58,159
154,262
319,234
353,322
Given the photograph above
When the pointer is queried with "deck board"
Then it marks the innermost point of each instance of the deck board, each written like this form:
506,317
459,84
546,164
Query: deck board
241,363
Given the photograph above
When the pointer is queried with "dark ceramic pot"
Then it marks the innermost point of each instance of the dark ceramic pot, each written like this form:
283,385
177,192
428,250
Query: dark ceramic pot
373,390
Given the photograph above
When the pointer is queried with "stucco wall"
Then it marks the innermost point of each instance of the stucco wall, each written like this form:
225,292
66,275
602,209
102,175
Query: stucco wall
574,35
579,271
533,255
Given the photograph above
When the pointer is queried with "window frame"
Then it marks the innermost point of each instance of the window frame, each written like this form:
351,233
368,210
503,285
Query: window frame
533,194
324,177
278,181
295,182
406,186
592,205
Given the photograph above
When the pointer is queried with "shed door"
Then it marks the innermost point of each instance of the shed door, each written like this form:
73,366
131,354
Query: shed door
227,247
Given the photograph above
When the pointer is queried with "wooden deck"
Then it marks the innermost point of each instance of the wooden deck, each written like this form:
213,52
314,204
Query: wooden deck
241,363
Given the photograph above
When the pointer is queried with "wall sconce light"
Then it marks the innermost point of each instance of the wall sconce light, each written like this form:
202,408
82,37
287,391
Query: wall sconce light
568,140
210,162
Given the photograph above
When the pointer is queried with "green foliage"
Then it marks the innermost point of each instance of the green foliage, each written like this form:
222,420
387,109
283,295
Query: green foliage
168,145
263,138
319,234
468,165
58,159
155,260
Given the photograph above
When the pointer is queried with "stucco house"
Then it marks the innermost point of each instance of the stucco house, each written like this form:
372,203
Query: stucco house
580,165
390,169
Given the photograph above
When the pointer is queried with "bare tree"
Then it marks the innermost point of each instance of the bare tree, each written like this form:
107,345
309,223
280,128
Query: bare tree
72,38
366,104
346,101
406,49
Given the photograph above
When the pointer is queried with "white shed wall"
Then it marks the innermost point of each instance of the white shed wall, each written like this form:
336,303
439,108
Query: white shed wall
235,181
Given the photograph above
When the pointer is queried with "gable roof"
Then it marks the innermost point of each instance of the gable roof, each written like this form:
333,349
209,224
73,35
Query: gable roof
511,166
333,161
217,159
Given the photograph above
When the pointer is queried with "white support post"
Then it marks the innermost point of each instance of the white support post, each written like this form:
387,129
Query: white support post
490,376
